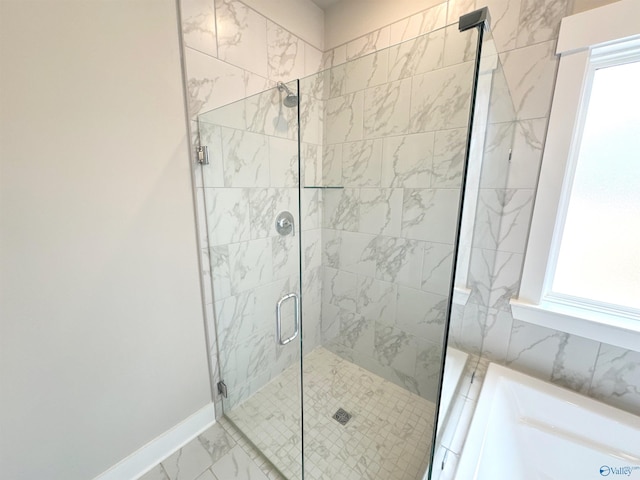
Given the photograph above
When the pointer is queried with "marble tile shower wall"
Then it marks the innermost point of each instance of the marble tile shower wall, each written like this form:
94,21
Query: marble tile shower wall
525,32
395,133
226,62
232,52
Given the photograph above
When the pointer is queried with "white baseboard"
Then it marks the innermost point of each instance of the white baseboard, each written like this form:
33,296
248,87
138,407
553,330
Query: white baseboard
147,457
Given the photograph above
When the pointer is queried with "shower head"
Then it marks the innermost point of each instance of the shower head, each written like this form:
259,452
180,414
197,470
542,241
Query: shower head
291,100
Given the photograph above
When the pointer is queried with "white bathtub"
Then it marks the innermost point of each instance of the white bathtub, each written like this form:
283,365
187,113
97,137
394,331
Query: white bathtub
527,429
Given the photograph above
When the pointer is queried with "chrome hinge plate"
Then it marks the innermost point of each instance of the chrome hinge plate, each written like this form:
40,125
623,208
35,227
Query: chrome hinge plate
222,388
202,154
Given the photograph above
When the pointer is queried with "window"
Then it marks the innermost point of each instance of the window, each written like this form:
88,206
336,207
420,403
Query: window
582,265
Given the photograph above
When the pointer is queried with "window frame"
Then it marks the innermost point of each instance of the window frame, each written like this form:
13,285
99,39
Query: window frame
587,41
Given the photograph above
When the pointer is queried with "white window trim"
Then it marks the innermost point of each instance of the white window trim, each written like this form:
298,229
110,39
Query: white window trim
579,35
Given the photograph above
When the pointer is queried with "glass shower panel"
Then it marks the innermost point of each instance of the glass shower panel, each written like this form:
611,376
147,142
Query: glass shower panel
386,135
251,191
474,325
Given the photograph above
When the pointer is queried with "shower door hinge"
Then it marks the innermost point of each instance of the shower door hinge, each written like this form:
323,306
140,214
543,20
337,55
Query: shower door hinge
222,388
203,155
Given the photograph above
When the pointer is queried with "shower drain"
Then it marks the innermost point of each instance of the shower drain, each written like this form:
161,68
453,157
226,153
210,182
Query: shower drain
342,416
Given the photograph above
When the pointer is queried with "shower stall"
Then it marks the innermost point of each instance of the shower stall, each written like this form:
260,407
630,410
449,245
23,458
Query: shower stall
333,210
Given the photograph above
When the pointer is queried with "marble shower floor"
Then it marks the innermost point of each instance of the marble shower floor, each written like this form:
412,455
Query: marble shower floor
387,438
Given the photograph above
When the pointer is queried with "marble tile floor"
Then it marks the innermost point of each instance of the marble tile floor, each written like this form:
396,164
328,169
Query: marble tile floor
220,453
387,438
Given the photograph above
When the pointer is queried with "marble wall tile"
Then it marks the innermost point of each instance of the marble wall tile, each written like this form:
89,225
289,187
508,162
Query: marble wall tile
311,209
429,355
227,215
356,332
481,266
380,211
551,355
264,206
341,209
285,54
334,57
418,24
313,60
255,84
376,300
371,42
285,256
616,379
311,164
344,118
211,83
361,163
220,270
339,288
332,164
199,25
242,36
459,46
417,56
501,102
527,153
440,99
505,279
472,328
283,162
311,248
495,158
436,268
496,333
331,243
245,159
458,8
540,20
530,73
358,253
205,266
422,314
266,114
367,71
312,286
386,109
251,264
502,219
311,324
430,214
399,260
212,175
505,18
395,348
337,81
448,158
407,160
311,118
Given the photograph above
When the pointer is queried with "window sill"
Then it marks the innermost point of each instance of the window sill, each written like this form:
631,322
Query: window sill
598,326
461,295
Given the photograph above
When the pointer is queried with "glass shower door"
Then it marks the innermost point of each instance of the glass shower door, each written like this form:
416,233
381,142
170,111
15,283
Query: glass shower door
251,188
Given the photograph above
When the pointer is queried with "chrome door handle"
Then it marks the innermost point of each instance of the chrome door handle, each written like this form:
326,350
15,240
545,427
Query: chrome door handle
279,318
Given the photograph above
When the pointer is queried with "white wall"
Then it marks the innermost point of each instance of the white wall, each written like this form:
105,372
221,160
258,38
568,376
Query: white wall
102,340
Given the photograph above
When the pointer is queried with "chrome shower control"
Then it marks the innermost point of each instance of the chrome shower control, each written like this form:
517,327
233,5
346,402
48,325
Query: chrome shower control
284,224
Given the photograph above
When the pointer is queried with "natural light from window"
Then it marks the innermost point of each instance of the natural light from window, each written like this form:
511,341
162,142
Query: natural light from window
599,255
